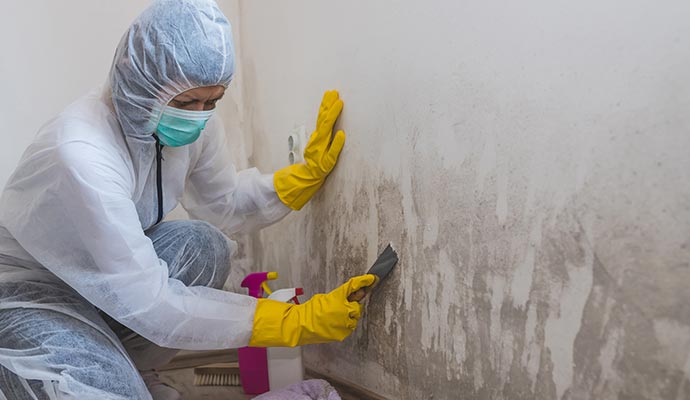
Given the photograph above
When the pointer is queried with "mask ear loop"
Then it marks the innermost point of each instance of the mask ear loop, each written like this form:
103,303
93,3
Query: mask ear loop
157,114
159,109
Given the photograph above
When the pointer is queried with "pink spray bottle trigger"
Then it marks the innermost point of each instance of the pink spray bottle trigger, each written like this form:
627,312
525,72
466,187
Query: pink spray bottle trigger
256,283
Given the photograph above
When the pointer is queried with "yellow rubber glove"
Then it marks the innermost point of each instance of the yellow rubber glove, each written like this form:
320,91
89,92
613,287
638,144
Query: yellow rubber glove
323,318
297,183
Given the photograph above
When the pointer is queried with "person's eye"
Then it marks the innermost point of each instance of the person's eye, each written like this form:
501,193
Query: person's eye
182,103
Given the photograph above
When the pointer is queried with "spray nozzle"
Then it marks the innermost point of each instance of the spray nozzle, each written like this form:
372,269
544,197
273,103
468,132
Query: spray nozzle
287,295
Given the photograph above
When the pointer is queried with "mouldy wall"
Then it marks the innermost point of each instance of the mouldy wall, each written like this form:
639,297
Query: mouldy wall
529,161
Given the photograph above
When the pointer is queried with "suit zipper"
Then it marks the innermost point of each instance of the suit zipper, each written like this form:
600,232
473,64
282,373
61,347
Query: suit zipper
159,179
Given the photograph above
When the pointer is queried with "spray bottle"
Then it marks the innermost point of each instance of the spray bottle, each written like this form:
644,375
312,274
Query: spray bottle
253,360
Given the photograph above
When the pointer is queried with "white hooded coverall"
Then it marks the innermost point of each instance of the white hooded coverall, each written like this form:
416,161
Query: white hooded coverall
73,215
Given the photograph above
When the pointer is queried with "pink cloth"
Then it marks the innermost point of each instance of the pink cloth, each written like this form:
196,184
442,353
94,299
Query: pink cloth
313,389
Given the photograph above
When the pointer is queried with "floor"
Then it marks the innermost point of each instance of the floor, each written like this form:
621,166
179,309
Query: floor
180,375
182,380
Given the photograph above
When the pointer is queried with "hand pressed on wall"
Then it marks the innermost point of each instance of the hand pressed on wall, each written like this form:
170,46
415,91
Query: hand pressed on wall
297,183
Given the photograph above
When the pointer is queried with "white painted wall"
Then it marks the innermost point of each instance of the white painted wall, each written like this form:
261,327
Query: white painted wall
530,162
52,53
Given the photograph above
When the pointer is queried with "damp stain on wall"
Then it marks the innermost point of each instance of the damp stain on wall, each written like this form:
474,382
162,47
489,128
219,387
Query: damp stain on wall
515,308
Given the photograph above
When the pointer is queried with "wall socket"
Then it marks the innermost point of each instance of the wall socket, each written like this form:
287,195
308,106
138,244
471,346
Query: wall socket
297,141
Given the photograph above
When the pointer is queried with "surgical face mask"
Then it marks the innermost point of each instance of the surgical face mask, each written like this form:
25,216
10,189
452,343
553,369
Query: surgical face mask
179,127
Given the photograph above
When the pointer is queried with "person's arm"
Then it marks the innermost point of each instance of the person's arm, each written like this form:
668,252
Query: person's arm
232,201
88,234
248,200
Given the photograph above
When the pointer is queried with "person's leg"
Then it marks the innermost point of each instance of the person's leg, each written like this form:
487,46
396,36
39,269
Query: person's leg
46,354
197,254
12,386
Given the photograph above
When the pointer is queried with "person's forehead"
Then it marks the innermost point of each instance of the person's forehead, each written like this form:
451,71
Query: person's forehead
205,92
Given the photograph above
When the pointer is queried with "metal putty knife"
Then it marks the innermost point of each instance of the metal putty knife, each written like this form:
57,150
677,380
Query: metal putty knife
381,268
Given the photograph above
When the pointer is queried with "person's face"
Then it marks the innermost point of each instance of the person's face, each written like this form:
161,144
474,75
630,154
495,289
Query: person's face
198,99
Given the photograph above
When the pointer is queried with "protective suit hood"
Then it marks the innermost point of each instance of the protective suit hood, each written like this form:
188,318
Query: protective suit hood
172,47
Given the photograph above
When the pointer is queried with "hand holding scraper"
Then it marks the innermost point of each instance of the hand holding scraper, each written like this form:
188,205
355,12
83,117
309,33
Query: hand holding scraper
381,268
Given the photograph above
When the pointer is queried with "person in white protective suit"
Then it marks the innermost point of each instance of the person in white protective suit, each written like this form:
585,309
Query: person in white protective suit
96,291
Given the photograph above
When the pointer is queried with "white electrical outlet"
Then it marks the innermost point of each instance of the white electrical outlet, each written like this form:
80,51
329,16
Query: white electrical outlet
296,144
